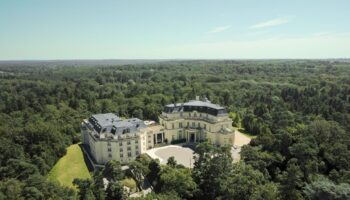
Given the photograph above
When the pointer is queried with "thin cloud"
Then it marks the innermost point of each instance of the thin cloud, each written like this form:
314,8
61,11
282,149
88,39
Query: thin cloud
273,22
219,29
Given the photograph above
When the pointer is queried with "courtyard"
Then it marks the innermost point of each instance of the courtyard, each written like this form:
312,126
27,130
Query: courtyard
183,155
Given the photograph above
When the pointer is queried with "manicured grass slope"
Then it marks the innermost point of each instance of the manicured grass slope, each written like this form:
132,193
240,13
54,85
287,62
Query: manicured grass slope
69,167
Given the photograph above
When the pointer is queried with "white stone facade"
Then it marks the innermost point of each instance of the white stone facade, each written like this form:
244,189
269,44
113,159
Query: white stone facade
107,137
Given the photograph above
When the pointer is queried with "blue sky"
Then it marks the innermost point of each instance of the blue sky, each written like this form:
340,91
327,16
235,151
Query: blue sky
152,29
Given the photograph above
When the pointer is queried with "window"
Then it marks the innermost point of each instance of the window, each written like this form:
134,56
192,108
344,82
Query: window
120,143
136,147
129,148
109,149
110,155
188,124
136,141
195,114
180,124
108,143
104,130
205,126
199,125
127,130
137,152
129,154
113,130
200,114
129,142
193,124
149,141
172,125
121,150
121,155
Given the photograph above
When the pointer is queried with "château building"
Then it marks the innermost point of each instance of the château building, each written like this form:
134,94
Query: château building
107,136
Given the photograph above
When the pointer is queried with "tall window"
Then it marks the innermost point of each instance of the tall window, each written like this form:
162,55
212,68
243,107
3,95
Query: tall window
180,124
172,125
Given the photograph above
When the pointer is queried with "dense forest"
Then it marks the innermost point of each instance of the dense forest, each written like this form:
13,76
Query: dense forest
298,109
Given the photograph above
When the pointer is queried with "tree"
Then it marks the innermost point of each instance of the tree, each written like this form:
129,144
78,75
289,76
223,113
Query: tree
85,189
291,181
211,166
178,180
115,191
243,181
268,191
171,162
153,175
113,171
11,189
323,188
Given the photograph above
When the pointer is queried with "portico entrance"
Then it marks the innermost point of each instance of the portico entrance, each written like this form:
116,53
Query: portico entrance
192,137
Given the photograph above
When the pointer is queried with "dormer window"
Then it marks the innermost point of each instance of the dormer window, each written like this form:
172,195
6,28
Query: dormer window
127,130
104,130
113,130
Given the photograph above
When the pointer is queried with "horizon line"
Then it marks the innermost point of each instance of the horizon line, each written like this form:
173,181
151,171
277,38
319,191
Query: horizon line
167,59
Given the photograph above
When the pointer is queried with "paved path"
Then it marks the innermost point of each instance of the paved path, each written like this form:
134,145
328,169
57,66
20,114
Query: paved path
240,140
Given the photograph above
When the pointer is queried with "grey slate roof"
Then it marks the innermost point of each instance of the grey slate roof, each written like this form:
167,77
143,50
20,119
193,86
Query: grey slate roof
201,106
108,121
207,104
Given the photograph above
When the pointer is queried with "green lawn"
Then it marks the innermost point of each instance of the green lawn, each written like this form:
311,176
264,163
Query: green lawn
69,167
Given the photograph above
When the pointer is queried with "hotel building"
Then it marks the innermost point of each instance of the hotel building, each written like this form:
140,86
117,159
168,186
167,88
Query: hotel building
107,137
